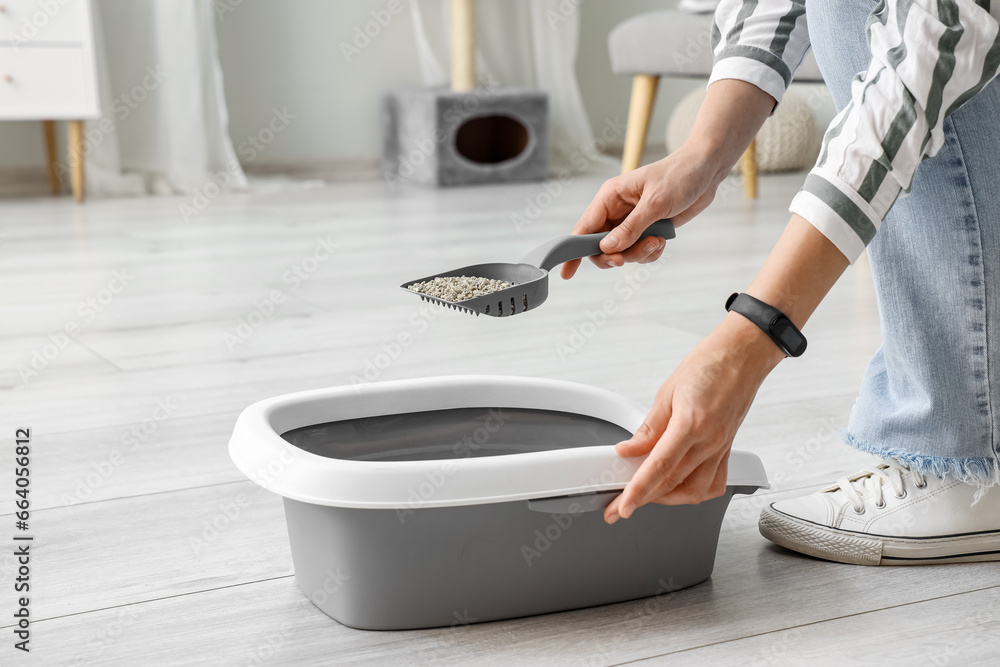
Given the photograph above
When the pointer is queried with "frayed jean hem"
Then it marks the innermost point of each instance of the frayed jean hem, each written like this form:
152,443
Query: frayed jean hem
980,471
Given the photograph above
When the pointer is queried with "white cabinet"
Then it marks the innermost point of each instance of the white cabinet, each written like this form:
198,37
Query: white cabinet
47,73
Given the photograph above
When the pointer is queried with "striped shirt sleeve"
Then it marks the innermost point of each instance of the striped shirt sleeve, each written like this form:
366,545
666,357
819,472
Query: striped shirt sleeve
928,58
761,42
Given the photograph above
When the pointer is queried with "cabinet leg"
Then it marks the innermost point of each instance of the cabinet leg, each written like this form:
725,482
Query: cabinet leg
51,154
76,158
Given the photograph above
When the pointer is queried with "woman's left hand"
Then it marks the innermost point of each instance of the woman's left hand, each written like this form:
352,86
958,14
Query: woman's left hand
695,416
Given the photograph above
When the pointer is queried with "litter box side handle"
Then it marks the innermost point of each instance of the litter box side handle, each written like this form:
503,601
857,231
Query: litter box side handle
591,502
577,246
578,504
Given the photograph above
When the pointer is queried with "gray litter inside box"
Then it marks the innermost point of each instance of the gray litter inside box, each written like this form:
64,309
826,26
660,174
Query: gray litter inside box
460,432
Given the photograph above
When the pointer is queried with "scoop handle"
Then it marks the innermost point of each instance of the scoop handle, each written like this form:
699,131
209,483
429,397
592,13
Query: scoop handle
576,246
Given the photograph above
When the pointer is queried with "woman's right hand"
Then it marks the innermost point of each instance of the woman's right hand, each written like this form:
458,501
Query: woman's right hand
679,187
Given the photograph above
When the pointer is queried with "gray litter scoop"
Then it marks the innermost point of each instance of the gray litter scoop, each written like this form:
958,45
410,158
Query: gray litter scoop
530,276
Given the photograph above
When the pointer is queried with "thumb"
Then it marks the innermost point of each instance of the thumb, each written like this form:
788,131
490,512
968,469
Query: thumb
629,230
648,434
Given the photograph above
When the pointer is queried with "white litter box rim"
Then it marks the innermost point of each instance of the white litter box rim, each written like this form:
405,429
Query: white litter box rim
260,453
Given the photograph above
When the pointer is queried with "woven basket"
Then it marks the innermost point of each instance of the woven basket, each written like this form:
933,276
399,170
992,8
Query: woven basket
787,142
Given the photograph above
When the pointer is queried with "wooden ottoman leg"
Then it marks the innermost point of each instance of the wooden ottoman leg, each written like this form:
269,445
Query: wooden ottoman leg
640,109
748,167
51,154
76,158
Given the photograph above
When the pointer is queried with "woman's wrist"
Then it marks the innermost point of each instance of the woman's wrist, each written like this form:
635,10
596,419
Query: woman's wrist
711,157
729,118
750,346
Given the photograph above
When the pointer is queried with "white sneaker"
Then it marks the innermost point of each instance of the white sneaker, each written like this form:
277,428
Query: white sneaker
889,515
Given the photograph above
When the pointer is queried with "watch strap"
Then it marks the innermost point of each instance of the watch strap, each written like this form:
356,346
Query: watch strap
771,321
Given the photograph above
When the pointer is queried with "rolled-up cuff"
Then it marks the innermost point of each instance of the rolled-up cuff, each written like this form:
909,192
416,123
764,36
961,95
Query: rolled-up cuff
838,212
748,65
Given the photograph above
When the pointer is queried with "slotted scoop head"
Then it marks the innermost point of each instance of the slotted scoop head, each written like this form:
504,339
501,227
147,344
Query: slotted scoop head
530,276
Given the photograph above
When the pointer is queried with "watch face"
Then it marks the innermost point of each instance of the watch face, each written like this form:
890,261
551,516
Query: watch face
790,338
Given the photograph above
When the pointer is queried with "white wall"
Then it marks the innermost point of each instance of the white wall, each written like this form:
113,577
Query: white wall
288,54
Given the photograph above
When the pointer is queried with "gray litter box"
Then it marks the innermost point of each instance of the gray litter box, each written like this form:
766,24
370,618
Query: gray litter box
453,500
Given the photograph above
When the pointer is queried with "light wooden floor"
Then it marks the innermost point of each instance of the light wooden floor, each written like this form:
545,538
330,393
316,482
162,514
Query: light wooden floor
124,572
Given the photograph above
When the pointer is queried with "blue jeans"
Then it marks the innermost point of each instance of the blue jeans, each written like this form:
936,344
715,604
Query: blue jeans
931,394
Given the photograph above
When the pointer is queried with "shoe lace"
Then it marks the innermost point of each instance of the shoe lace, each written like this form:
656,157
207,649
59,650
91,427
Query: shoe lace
873,479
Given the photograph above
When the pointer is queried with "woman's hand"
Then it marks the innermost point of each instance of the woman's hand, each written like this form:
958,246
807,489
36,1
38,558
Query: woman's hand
678,187
697,411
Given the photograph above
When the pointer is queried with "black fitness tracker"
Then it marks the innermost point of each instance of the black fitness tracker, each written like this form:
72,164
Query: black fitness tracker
771,321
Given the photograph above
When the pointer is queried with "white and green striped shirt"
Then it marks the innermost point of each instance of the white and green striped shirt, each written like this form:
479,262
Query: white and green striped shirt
928,58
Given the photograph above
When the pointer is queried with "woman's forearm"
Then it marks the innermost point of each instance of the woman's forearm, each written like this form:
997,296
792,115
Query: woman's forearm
728,120
797,275
801,269
804,264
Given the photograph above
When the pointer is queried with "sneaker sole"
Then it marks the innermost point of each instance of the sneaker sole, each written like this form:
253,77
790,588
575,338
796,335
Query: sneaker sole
844,546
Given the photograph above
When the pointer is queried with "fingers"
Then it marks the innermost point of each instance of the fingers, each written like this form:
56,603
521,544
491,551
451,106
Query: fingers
611,511
629,230
671,461
706,482
649,432
607,261
569,269
646,251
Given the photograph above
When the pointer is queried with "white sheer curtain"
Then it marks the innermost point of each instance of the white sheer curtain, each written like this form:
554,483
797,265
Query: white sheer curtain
164,124
531,43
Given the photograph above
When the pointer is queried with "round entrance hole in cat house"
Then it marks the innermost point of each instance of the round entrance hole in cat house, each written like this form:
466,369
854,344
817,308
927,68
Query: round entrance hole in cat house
491,139
409,502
